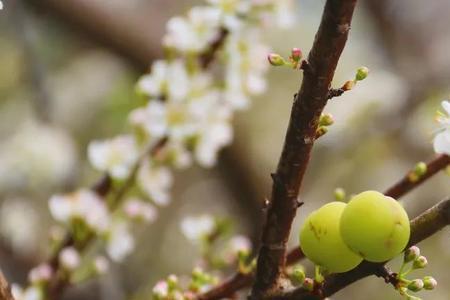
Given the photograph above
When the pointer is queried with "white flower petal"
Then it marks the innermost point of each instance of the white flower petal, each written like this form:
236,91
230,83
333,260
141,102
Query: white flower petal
120,242
441,142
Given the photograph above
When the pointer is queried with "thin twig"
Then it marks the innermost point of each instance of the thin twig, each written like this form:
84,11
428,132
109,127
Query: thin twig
406,184
307,107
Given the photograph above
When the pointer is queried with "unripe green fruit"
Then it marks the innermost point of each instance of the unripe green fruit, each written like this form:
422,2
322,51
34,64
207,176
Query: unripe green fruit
321,241
375,226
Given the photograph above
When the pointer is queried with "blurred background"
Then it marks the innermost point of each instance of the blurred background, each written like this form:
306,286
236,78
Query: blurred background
67,75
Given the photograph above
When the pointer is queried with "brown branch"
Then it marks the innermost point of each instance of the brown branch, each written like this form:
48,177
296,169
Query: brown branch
130,34
406,184
228,287
5,289
307,107
422,227
335,93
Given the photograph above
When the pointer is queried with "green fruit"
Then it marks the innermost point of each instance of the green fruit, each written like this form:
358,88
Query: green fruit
375,226
321,241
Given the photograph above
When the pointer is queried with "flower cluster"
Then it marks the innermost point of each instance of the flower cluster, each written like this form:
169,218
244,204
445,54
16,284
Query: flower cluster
219,250
441,141
416,261
189,107
186,118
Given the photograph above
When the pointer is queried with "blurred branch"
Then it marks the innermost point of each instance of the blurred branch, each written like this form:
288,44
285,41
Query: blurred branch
35,68
307,107
135,36
423,226
5,289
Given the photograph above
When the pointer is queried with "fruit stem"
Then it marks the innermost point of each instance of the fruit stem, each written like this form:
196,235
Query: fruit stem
400,272
318,277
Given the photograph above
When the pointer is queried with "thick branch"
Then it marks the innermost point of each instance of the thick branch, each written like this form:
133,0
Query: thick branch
307,107
423,226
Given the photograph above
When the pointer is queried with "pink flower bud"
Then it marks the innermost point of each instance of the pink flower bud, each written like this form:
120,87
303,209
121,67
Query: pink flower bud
429,283
296,54
276,59
415,285
420,263
411,254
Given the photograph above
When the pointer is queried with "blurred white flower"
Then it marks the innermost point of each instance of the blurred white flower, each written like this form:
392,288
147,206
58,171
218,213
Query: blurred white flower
1,5
161,289
116,156
84,205
30,293
284,13
246,67
175,153
36,156
214,130
194,33
41,273
120,242
167,118
152,118
101,264
69,258
196,228
137,209
19,224
168,80
441,141
155,181
240,243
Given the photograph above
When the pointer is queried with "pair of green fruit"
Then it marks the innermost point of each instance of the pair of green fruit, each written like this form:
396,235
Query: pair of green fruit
338,236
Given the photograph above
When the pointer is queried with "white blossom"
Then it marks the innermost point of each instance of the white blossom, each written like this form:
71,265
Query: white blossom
284,13
175,153
84,205
116,156
137,209
19,224
1,5
36,156
168,80
161,289
192,34
196,228
30,293
214,130
152,118
41,273
120,242
69,258
101,264
167,118
441,141
155,181
240,243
